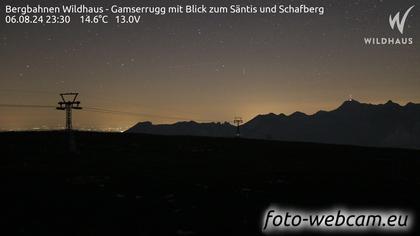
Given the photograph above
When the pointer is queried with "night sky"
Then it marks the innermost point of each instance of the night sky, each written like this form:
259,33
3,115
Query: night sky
206,67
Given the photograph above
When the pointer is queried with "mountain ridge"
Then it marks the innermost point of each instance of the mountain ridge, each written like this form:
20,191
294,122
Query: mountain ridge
354,123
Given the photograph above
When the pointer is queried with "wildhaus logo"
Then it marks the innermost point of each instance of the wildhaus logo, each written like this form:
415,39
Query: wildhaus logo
398,21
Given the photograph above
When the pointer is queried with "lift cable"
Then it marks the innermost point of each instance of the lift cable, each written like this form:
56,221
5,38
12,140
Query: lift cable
109,111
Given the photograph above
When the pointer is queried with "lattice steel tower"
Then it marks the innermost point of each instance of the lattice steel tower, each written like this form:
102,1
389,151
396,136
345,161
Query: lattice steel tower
68,103
238,121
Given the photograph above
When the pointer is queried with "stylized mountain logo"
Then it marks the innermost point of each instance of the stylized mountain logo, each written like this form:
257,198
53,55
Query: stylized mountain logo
398,21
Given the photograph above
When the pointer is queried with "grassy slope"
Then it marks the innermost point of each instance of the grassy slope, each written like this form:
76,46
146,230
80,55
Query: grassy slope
116,183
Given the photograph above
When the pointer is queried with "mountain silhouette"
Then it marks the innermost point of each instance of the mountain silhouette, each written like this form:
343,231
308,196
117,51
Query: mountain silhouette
353,123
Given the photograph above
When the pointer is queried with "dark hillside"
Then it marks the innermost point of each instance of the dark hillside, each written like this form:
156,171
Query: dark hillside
117,184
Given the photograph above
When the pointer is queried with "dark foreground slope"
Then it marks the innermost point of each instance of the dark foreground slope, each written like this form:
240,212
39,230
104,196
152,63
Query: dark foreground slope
128,184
